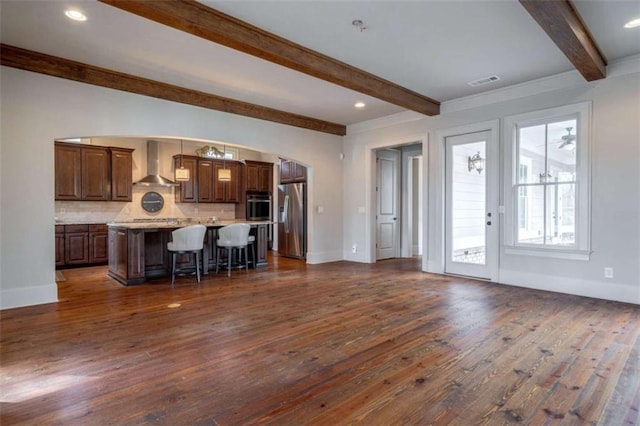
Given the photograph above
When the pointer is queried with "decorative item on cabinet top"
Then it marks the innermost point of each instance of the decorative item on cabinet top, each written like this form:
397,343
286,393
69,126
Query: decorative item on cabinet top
210,152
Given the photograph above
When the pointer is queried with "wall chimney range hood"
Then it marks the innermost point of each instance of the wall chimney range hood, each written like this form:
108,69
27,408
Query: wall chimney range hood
153,177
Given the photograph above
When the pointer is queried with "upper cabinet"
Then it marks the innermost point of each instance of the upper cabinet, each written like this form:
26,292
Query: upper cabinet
204,186
96,174
227,191
121,176
92,173
259,176
290,171
68,171
187,192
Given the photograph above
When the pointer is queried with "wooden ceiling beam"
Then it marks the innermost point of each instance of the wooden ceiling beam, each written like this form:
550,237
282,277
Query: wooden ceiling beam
560,20
202,21
59,67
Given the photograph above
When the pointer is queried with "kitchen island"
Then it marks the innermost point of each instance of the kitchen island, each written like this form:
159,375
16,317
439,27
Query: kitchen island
138,250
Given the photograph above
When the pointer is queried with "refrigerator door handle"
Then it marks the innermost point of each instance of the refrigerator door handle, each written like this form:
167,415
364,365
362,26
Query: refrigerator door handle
286,214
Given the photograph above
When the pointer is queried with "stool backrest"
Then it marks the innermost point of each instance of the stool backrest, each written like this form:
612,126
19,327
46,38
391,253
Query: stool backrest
234,235
188,238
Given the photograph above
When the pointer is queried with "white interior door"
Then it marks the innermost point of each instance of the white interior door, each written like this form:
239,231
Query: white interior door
471,227
388,185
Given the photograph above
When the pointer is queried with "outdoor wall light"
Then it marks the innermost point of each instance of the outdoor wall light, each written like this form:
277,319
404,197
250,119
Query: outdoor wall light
476,163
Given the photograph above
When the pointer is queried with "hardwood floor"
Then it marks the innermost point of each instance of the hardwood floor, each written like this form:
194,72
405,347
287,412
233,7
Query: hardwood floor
331,344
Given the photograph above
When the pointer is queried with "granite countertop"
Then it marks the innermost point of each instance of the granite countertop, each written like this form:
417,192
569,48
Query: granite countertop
164,224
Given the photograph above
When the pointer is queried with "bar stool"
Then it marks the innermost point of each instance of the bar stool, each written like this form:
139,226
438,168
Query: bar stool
233,237
187,240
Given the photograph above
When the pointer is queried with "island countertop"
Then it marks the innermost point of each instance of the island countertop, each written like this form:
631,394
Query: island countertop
165,224
138,250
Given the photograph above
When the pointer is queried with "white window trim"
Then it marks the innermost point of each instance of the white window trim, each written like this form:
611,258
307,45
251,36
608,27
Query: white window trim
582,250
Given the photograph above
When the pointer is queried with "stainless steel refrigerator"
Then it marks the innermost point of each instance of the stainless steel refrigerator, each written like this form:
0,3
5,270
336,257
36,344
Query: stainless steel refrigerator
292,220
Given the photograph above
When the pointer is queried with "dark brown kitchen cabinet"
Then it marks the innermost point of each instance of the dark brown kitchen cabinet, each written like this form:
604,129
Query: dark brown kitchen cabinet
76,244
259,176
121,174
59,245
187,192
204,186
68,172
290,171
98,244
81,244
205,181
126,255
92,173
227,191
96,174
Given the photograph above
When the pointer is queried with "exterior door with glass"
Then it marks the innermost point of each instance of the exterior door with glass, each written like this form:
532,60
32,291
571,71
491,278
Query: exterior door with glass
471,221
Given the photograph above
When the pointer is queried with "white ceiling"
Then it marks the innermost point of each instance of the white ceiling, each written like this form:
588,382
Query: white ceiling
431,47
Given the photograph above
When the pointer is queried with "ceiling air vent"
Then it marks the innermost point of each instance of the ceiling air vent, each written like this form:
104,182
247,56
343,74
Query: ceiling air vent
485,80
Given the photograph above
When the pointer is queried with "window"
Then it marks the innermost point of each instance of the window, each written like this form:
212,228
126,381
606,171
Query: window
547,182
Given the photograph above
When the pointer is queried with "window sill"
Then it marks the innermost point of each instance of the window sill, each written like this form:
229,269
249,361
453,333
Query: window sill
549,252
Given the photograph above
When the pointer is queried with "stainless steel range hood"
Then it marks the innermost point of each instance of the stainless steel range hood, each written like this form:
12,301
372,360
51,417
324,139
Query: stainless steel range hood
153,177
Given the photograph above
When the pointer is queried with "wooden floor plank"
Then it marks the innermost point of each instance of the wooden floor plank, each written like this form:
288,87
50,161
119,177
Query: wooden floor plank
338,343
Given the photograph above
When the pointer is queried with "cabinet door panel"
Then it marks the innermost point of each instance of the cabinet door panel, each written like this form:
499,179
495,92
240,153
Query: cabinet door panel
265,178
98,247
68,173
187,192
59,249
253,177
205,181
76,250
232,194
121,179
96,175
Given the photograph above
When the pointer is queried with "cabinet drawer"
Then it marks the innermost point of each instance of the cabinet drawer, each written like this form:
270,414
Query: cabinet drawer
59,229
76,228
98,228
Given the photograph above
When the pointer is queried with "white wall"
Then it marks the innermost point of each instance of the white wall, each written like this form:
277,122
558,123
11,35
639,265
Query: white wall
37,109
615,157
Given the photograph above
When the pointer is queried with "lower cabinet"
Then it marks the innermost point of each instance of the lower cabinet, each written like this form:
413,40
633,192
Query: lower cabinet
81,244
98,244
127,255
59,245
76,244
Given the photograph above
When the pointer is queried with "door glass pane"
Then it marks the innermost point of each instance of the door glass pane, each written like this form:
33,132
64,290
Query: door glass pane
468,204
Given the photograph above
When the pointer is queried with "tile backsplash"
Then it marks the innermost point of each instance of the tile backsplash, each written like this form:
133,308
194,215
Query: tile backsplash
115,211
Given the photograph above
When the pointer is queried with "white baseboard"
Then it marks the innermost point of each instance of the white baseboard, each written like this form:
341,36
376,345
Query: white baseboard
27,296
324,257
359,257
628,293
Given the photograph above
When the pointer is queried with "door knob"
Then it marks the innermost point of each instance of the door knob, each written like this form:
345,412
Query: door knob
489,223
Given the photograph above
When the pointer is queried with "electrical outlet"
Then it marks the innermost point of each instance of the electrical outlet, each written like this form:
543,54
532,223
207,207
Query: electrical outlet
354,248
608,272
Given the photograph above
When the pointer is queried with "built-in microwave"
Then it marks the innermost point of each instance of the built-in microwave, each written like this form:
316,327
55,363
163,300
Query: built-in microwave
258,206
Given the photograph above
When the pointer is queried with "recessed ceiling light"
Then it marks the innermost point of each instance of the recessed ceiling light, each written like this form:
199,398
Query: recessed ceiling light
632,24
359,105
76,15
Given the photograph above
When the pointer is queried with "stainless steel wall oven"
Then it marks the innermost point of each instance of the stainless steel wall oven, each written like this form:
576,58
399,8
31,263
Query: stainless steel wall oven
258,206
